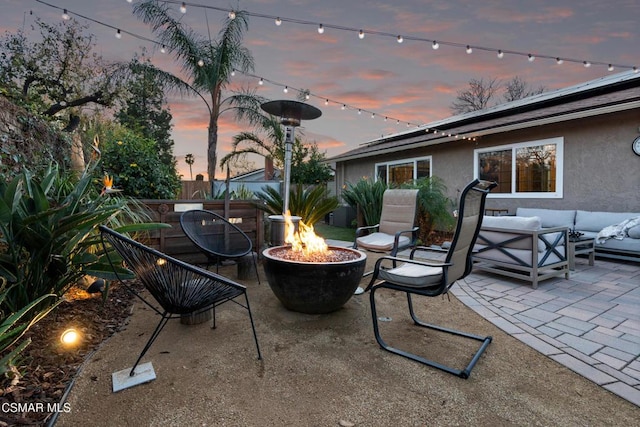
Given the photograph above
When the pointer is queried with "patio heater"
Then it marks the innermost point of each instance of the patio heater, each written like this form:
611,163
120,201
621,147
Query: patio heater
290,113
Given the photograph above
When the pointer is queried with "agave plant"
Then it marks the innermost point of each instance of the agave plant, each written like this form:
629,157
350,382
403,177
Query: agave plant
311,204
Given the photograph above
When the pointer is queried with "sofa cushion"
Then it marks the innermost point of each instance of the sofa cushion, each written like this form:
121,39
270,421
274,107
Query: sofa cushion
513,222
634,232
550,217
596,221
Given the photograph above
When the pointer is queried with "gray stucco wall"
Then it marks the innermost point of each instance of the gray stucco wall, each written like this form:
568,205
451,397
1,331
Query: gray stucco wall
601,173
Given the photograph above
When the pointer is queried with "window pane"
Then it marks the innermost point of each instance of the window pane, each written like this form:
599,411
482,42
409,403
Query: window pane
424,169
536,169
496,166
381,173
401,173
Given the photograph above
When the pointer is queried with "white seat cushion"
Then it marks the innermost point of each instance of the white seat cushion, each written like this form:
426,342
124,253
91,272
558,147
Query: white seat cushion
412,275
381,242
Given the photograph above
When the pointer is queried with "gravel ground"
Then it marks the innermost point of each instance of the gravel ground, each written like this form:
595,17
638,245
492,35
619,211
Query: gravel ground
327,370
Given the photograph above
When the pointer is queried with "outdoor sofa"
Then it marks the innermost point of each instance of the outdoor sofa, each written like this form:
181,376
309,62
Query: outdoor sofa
521,248
601,226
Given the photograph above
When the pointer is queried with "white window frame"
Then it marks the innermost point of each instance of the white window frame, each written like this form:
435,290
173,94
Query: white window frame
558,194
413,160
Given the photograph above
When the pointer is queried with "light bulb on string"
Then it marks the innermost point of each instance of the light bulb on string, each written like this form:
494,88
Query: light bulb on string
232,15
320,29
118,34
400,39
559,61
65,15
500,54
435,45
306,96
261,81
233,72
343,107
361,34
359,111
635,70
200,63
531,58
163,49
278,21
586,64
286,89
373,115
129,1
610,67
469,49
183,7
326,102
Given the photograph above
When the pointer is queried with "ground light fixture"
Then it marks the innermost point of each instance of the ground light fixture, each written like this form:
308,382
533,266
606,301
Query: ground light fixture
70,337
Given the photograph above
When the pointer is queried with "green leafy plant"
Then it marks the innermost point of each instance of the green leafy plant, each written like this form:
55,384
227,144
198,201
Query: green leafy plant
48,237
365,197
14,326
311,204
242,193
434,207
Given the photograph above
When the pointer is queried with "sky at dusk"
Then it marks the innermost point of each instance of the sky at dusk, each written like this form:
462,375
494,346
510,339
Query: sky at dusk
408,81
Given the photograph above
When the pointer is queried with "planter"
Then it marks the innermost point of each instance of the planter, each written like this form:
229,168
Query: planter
313,287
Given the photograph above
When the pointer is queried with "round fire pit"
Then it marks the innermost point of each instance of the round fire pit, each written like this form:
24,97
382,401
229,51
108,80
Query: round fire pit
314,287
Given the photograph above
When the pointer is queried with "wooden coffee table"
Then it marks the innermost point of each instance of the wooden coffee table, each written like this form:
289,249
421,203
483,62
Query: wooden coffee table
580,246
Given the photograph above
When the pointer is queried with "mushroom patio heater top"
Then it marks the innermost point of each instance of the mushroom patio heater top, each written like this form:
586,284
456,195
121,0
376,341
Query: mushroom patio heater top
290,113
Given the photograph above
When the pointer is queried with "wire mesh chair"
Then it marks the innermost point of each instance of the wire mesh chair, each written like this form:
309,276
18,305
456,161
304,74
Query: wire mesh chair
433,278
178,288
216,237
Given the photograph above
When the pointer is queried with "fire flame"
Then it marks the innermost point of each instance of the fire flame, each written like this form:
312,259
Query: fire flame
305,240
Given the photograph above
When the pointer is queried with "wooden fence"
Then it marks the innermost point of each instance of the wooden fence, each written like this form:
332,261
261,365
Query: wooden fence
174,242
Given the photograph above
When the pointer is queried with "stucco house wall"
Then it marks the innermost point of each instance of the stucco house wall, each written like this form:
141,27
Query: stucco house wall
600,170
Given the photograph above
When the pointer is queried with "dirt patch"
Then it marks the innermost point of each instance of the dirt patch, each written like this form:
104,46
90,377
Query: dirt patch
48,366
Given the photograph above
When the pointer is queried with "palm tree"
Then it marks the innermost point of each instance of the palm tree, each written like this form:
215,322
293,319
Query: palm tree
190,160
268,143
207,65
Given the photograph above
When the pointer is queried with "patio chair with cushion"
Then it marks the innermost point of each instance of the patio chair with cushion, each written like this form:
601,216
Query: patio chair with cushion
396,229
432,278
177,287
218,238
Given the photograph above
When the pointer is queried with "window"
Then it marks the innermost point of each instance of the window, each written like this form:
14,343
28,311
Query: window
527,170
402,171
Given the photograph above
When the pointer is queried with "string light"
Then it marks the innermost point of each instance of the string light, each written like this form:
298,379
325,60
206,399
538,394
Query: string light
531,58
129,1
233,72
586,64
435,45
326,102
286,89
320,29
343,107
359,111
65,15
163,49
200,63
118,34
610,68
261,82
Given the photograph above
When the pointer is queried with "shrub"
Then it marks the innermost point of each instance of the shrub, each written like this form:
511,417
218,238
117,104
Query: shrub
311,204
365,197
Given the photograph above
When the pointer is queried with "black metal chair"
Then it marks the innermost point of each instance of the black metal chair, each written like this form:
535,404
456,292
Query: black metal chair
179,288
432,278
216,237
